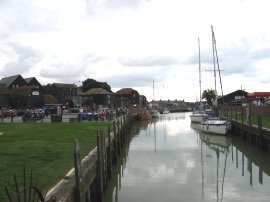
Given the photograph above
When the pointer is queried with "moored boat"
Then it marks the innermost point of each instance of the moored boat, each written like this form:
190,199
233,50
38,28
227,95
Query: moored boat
165,111
144,115
154,114
216,126
198,116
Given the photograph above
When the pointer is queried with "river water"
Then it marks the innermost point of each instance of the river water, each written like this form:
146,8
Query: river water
170,160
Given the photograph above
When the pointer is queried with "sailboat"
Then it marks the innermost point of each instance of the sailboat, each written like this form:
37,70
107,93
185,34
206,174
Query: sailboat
216,125
199,115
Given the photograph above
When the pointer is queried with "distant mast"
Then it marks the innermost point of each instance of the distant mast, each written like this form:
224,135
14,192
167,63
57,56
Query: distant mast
153,90
200,81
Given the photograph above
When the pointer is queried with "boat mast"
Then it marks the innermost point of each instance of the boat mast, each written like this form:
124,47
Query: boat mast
200,82
214,60
153,90
216,57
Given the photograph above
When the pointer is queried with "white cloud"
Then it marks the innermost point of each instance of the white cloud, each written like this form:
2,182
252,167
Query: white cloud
131,43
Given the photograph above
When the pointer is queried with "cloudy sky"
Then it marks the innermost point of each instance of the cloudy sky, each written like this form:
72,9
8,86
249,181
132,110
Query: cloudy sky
131,43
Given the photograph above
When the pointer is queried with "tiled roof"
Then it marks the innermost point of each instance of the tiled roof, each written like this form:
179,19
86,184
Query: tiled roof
64,85
125,91
28,80
9,80
96,91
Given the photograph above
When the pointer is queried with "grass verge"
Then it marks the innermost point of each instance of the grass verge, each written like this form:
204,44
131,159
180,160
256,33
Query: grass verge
46,149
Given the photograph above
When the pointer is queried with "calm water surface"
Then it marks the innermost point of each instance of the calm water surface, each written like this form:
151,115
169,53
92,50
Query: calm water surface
170,160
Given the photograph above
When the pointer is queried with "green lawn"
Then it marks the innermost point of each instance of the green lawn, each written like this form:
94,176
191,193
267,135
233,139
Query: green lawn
254,119
47,149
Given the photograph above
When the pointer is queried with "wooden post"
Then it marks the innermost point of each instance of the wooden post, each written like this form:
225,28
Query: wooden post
242,120
109,155
249,122
231,112
114,144
249,168
260,174
125,128
104,160
236,157
243,164
2,116
78,192
99,167
260,131
236,114
121,132
118,137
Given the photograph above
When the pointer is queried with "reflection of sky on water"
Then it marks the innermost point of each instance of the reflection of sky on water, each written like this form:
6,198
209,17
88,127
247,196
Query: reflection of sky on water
167,133
168,161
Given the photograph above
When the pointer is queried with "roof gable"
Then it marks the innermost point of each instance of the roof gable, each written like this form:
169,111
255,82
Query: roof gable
64,85
125,91
96,91
8,81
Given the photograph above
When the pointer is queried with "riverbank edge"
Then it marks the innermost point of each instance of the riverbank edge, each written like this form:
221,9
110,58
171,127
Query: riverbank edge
92,186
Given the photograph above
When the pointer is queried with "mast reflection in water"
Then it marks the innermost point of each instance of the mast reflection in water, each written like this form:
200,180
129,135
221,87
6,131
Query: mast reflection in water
169,159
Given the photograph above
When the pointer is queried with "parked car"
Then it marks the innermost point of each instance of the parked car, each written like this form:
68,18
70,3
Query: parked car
9,113
90,116
85,116
32,115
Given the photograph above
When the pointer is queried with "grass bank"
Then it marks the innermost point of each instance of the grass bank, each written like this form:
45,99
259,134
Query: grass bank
254,118
47,149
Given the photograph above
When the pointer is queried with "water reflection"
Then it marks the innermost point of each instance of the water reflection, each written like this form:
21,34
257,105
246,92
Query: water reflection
219,146
169,159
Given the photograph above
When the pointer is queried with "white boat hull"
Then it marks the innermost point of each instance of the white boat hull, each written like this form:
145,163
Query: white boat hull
198,118
166,112
220,127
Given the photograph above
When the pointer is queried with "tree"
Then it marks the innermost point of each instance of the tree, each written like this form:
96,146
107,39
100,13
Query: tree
92,83
209,95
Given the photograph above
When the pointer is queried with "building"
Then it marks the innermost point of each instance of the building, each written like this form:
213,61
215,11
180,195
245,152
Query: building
97,97
4,96
127,97
20,92
66,94
32,81
13,82
143,101
236,97
26,97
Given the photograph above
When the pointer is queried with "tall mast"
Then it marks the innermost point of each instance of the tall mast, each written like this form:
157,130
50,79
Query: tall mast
216,57
200,82
153,90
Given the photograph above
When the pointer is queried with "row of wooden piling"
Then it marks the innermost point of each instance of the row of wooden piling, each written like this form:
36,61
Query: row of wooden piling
90,177
253,133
